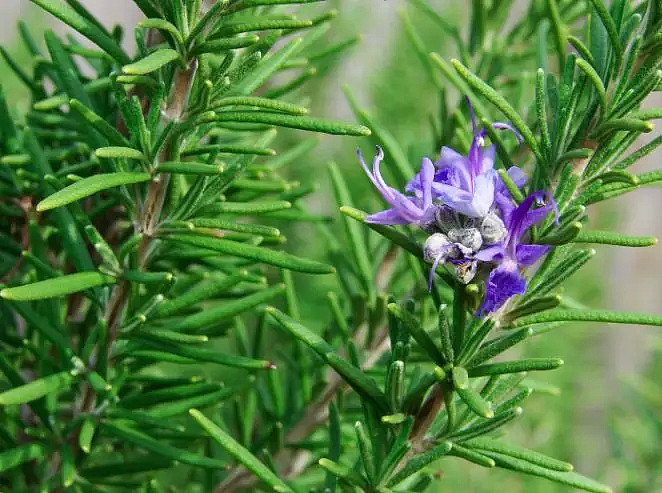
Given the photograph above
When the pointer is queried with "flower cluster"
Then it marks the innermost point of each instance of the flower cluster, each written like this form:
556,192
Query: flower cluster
472,221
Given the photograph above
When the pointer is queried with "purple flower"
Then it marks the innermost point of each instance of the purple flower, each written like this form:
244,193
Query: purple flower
466,183
512,255
404,209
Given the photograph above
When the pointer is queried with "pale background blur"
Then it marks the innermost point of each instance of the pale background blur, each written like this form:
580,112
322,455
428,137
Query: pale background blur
632,277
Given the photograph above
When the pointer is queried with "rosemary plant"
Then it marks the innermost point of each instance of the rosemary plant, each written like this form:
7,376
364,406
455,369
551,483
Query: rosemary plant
152,333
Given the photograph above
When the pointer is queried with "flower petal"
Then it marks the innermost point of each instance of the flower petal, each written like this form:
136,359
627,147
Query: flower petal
441,256
460,166
427,176
508,126
389,217
518,176
504,282
489,253
483,196
528,254
487,158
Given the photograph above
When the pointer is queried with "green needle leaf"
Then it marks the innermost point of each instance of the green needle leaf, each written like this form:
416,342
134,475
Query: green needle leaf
497,100
568,478
36,389
57,286
102,126
159,447
471,456
354,231
413,327
190,168
271,104
215,314
20,455
195,353
392,234
515,192
624,124
522,453
86,435
475,401
292,121
119,153
266,68
88,29
610,238
305,335
612,30
223,44
358,380
247,208
534,364
418,462
541,112
151,62
589,316
88,186
279,259
344,472
594,77
228,148
162,25
239,453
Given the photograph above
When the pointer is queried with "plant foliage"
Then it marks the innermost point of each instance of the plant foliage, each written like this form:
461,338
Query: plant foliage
142,204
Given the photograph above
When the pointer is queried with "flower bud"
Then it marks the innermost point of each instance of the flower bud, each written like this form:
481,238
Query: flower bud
446,218
435,245
492,229
468,237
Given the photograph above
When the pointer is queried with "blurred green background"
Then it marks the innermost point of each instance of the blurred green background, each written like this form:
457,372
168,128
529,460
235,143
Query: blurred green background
602,410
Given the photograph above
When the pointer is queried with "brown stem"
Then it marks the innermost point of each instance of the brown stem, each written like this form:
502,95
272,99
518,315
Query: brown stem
148,221
425,417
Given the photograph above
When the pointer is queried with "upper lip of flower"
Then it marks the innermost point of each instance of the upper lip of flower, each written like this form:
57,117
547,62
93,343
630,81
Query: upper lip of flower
404,209
465,183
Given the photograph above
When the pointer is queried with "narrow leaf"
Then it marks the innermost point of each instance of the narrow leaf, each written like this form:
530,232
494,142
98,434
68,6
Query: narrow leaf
159,447
475,401
88,29
151,62
568,478
519,453
533,364
248,208
612,30
497,100
280,259
88,186
292,121
418,333
20,455
215,314
102,126
346,473
36,389
610,238
57,286
354,231
239,453
589,316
